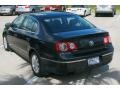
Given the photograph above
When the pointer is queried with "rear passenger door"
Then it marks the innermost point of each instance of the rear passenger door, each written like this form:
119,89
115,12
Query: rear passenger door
28,31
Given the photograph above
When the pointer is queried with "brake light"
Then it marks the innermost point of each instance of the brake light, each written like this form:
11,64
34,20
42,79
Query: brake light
107,40
65,46
27,6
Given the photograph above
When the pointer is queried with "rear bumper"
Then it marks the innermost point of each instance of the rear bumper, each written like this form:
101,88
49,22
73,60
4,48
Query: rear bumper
6,12
76,66
102,11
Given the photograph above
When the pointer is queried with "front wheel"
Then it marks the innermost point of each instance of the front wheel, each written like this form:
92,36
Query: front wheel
84,13
5,44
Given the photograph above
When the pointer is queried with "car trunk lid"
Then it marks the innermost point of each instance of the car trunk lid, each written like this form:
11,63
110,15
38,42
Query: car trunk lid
88,40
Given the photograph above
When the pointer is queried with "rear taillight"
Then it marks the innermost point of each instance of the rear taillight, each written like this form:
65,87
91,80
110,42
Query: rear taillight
107,40
65,46
27,6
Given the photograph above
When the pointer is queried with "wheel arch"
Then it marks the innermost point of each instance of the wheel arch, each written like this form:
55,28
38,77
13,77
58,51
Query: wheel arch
32,50
13,10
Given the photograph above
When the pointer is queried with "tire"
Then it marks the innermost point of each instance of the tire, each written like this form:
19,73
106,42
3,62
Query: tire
13,13
112,14
5,44
18,14
96,14
33,11
36,64
84,13
90,12
1,14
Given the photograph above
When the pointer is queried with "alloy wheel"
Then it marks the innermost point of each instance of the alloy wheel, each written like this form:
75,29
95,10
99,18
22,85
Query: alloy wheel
35,63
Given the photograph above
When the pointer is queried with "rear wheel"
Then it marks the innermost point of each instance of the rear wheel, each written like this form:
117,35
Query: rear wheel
84,13
96,14
1,14
35,64
13,12
5,44
112,14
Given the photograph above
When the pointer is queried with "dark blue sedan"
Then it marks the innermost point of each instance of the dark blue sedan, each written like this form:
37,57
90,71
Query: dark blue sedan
58,42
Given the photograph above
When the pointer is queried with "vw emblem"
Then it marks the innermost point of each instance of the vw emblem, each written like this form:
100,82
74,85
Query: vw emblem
91,43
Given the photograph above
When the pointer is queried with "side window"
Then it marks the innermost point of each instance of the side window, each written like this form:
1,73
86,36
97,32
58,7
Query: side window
18,21
35,26
30,24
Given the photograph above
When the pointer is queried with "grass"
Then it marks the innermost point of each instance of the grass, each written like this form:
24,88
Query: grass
118,9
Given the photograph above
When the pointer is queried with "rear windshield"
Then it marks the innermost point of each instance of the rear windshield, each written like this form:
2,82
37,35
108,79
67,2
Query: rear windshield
65,24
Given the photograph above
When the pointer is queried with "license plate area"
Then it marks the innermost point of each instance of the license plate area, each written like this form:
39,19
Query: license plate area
93,61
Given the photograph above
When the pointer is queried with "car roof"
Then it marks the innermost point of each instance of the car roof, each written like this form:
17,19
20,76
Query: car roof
49,14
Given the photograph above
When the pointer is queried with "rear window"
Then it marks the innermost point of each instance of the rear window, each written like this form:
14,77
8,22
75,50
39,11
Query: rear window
65,24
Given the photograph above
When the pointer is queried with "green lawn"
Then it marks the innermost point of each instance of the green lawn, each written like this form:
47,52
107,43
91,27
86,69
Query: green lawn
118,9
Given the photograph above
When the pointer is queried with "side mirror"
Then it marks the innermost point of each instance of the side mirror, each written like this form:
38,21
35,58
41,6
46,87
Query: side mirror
7,25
